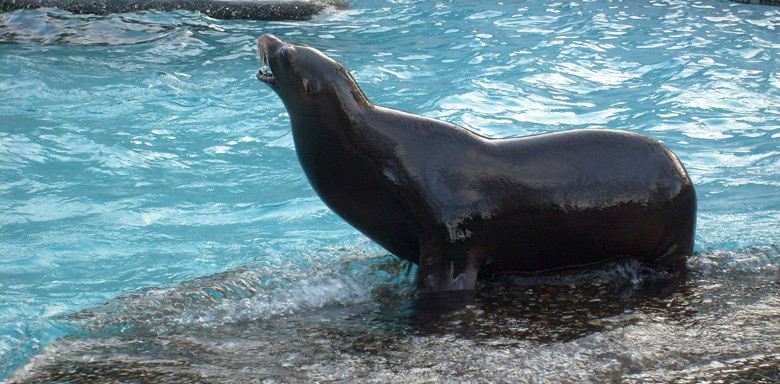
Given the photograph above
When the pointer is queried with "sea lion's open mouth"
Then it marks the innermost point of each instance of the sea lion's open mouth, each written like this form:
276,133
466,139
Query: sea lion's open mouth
265,74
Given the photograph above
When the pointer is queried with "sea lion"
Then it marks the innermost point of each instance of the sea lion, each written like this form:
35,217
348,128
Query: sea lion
460,204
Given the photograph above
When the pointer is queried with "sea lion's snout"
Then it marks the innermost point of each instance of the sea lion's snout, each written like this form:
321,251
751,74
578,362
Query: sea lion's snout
267,41
267,46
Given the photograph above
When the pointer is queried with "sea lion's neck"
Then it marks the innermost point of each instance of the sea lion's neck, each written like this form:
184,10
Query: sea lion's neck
327,121
351,97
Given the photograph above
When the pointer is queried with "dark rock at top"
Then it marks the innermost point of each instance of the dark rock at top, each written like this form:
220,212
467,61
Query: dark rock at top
221,9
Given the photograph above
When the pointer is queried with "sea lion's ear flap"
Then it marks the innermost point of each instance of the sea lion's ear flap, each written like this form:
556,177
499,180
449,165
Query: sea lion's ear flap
310,86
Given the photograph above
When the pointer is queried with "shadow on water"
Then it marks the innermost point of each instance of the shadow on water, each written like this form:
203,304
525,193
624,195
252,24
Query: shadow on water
546,307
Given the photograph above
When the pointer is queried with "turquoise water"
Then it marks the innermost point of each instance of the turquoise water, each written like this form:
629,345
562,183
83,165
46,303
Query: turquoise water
155,223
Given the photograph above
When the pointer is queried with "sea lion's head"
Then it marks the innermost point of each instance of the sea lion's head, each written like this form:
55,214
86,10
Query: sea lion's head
302,75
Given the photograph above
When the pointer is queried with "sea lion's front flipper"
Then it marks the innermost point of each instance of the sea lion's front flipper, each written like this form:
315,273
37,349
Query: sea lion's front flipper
448,267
